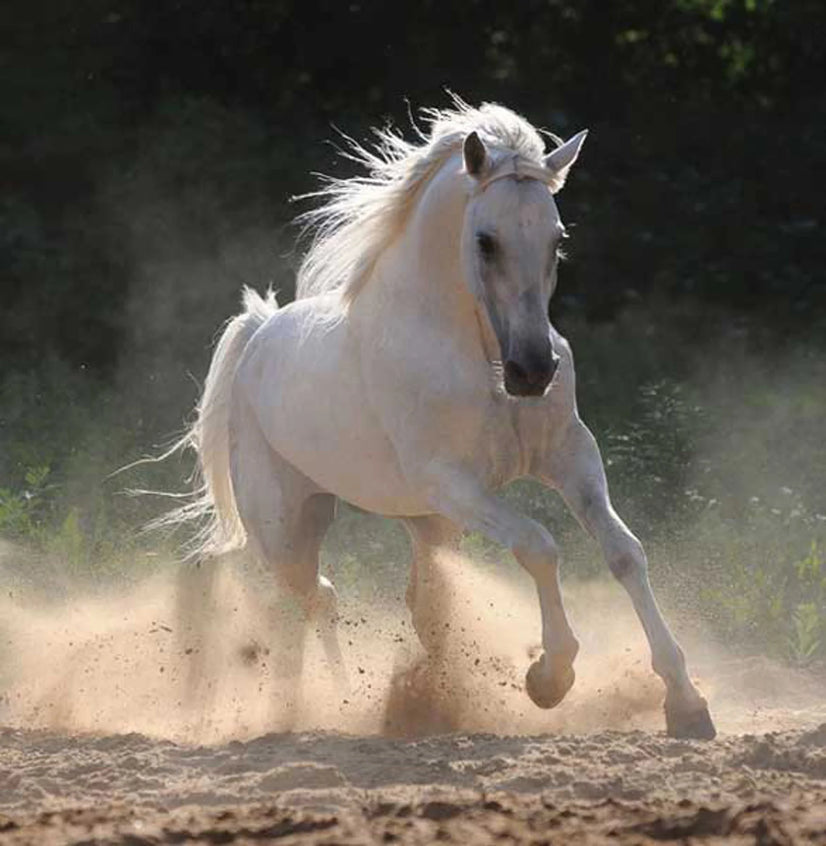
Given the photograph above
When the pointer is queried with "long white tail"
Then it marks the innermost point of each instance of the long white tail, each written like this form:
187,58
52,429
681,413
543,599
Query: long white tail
214,505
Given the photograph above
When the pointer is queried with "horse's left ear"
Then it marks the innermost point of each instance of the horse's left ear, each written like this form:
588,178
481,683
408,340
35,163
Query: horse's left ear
560,160
475,154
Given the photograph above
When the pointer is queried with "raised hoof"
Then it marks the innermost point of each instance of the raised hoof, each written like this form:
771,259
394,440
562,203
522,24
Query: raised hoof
684,723
545,687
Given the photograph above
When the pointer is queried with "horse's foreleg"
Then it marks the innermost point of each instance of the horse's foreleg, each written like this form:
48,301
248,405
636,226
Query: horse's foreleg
576,470
461,499
426,593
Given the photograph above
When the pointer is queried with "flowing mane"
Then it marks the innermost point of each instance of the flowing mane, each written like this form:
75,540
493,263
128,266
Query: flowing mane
360,216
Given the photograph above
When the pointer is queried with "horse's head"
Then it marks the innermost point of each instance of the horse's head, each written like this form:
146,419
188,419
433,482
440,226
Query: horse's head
510,251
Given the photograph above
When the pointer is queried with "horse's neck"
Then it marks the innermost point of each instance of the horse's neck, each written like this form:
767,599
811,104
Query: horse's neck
422,271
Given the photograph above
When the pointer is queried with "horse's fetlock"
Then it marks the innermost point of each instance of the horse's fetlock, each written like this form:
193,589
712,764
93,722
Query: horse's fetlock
670,666
563,653
571,649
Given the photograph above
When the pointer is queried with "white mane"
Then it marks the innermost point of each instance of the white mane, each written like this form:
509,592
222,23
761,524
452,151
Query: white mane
361,215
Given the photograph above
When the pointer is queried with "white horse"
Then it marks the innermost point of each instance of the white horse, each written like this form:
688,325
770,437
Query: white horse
415,374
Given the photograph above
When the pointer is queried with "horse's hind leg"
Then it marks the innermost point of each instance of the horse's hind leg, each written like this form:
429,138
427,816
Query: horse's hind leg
426,594
285,516
317,513
194,610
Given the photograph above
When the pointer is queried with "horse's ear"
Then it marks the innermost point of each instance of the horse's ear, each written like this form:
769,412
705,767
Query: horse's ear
475,154
560,160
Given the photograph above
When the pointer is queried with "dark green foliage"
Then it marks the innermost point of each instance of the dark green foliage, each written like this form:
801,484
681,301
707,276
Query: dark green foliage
706,108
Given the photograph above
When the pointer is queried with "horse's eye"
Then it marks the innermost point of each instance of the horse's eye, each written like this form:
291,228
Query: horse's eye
486,244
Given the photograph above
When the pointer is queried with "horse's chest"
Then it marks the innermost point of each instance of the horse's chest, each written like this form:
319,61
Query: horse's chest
487,438
501,449
516,433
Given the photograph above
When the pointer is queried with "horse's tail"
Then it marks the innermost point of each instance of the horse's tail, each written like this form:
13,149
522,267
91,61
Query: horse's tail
214,506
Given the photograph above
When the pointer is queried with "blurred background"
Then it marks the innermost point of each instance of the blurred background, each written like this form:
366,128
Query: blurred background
148,155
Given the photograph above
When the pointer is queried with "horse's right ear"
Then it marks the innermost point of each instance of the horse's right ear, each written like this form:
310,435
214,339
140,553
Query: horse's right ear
475,154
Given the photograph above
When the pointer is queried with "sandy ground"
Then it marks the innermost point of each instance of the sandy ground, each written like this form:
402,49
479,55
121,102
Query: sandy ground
155,716
313,787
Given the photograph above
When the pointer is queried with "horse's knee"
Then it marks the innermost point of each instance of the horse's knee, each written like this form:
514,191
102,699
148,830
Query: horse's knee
628,563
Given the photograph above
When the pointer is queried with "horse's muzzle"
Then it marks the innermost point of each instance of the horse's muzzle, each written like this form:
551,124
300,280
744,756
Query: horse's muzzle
530,380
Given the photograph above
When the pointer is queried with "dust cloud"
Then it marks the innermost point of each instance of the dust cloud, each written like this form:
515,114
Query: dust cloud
191,656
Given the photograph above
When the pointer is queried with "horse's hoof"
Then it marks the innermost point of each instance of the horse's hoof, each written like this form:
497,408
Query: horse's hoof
547,688
689,723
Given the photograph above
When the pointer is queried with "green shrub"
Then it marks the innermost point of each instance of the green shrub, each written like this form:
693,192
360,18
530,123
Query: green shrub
780,607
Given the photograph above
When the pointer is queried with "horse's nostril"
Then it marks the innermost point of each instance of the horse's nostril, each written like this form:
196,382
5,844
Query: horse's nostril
515,371
531,376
